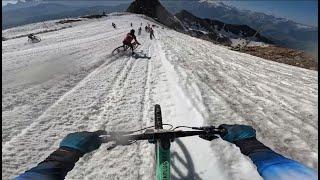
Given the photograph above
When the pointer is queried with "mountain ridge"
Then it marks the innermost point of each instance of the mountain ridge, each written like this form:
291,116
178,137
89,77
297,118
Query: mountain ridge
282,31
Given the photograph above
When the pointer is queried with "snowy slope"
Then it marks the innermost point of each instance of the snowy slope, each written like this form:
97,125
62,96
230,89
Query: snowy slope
69,82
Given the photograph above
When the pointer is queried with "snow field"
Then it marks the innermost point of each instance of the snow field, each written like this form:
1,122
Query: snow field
69,82
279,100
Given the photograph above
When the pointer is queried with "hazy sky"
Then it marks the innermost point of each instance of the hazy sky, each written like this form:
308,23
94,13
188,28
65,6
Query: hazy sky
302,11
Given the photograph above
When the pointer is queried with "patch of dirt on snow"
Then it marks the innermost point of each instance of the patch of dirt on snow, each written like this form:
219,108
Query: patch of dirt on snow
64,21
283,55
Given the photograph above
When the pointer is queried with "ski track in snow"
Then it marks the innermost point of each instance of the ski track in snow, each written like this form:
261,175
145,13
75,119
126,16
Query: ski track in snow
68,82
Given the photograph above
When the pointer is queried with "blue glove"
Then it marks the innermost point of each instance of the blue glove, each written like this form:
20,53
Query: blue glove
237,132
83,141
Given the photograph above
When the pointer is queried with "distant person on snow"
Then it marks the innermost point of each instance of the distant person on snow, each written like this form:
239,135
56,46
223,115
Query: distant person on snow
270,165
114,25
139,31
129,38
146,28
151,33
31,36
131,24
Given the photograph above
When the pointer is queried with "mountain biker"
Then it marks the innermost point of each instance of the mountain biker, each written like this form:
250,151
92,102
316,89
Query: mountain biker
270,165
31,36
128,39
151,32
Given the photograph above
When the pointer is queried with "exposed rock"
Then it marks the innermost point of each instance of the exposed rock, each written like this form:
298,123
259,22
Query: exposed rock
283,55
154,9
64,21
214,26
94,16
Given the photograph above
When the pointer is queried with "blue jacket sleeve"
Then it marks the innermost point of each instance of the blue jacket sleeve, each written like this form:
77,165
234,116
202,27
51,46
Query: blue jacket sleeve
272,165
55,167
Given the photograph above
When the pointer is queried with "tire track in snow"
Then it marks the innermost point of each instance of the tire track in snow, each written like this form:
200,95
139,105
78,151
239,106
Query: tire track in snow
77,111
96,51
95,71
121,112
46,122
145,148
188,160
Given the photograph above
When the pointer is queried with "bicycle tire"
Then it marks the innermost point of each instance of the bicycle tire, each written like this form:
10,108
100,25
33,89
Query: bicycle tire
35,40
118,50
157,117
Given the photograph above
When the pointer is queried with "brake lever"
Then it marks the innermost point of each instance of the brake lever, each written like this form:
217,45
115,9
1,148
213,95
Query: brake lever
208,137
210,132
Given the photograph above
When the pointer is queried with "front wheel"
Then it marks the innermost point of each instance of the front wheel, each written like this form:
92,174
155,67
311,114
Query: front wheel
118,50
157,117
38,39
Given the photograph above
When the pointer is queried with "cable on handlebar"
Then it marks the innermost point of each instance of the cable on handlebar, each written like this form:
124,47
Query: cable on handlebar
130,132
182,127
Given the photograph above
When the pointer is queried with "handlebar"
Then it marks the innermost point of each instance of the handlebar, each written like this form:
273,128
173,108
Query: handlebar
125,138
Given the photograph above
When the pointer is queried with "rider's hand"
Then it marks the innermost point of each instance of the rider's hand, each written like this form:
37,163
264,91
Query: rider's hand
83,141
237,132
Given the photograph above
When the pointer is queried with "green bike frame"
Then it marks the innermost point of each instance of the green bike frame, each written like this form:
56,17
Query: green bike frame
162,147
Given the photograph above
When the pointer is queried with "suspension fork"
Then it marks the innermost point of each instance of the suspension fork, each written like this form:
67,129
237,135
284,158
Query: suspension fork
162,147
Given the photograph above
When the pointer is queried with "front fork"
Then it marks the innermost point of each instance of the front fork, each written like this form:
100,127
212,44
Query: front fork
163,159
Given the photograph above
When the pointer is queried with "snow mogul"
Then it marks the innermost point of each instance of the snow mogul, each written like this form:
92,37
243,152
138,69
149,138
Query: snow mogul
270,165
129,38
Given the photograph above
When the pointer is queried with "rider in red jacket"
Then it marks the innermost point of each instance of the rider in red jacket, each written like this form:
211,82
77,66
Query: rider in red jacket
127,41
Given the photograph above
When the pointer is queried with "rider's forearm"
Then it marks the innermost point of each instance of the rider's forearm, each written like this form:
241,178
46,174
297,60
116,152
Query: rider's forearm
56,166
272,165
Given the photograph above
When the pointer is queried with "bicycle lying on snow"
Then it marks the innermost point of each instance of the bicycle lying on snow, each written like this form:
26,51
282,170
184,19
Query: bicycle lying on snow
162,139
124,48
34,39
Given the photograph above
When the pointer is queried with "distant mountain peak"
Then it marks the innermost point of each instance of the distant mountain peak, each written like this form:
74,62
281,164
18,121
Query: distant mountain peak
214,3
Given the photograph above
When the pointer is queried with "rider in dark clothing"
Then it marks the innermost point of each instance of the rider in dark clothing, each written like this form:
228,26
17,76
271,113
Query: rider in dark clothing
31,36
139,30
151,32
129,38
270,165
